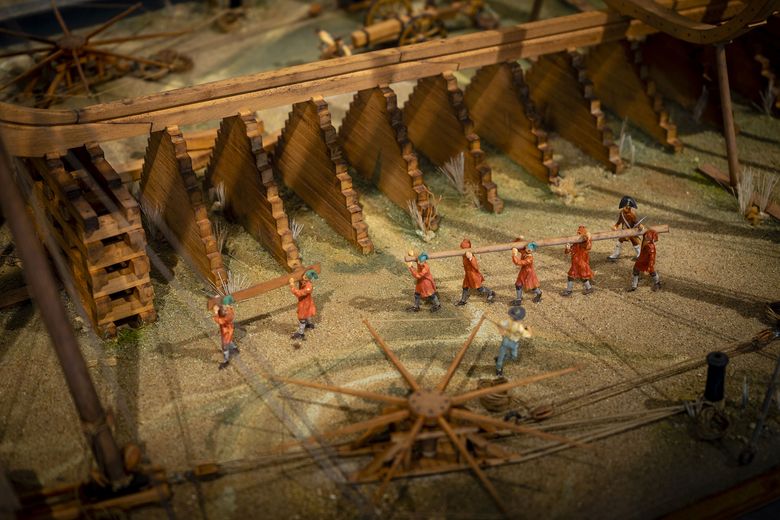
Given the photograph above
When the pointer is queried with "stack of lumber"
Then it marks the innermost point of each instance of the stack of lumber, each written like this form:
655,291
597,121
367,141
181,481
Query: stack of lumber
439,126
169,186
376,144
96,224
242,166
561,90
622,84
309,161
500,105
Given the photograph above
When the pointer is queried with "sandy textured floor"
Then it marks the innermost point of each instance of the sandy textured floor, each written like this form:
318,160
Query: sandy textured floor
168,394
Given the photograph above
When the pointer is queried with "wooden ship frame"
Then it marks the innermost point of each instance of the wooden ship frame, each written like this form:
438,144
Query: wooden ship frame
84,208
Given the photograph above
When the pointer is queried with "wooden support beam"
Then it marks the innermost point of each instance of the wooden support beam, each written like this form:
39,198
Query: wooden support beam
308,160
504,115
264,287
439,126
241,165
168,183
562,92
545,242
375,143
622,84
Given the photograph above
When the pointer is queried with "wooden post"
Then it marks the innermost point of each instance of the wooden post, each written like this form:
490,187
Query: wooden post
728,116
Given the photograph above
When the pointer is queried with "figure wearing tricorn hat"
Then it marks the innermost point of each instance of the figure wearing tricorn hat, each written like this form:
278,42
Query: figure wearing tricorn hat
425,287
627,219
526,278
306,309
472,278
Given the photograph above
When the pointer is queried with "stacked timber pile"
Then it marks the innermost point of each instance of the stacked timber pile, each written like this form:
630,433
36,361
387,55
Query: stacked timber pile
96,224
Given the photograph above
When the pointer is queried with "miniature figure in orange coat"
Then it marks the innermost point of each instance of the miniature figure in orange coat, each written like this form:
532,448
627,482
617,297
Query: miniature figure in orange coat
224,316
526,278
425,287
580,263
627,219
472,278
646,261
306,308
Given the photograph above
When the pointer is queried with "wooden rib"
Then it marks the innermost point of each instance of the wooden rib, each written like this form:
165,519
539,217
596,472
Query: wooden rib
407,443
30,71
26,51
474,466
459,357
59,18
460,413
77,60
460,399
393,359
27,36
128,57
341,390
113,20
374,422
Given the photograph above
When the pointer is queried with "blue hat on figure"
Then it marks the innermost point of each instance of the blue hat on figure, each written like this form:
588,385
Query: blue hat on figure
228,299
311,274
423,257
516,313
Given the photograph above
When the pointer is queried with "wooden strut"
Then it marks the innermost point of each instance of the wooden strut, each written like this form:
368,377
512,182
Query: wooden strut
546,242
264,287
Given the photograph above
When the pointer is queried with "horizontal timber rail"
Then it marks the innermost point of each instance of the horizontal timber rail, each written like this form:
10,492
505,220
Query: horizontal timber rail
545,242
33,132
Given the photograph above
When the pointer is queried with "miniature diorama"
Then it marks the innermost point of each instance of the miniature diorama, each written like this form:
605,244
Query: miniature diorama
221,220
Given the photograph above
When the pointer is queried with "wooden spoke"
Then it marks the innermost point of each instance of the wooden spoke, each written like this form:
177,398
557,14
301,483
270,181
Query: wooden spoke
31,71
128,57
459,413
393,359
27,36
460,399
474,466
407,443
59,18
341,390
77,61
374,422
113,20
26,51
459,357
139,37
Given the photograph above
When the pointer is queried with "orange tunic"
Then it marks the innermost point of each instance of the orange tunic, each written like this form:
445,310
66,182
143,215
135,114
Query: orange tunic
646,261
473,278
226,325
425,285
626,220
527,275
580,260
306,308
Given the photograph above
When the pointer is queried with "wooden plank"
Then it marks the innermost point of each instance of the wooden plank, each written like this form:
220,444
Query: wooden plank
169,183
308,160
439,126
264,287
622,84
375,143
562,92
241,165
504,114
29,132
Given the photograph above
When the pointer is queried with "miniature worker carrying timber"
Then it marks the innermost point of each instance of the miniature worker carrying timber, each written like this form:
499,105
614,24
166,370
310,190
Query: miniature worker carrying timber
580,263
425,286
526,278
472,278
306,308
627,219
646,261
512,331
224,316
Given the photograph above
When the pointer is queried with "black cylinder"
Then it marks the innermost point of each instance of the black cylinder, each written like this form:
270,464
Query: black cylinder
716,376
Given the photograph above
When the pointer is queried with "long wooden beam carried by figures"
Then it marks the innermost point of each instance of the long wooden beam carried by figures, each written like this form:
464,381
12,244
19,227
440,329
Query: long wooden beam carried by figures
545,242
264,287
33,132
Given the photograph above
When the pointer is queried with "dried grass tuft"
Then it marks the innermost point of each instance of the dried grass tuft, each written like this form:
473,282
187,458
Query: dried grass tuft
454,170
295,228
568,189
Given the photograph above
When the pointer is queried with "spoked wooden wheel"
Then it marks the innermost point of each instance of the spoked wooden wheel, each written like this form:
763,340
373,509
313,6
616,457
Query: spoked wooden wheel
382,9
421,28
